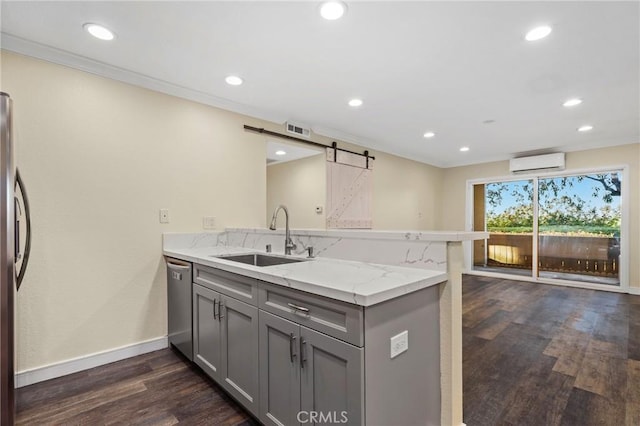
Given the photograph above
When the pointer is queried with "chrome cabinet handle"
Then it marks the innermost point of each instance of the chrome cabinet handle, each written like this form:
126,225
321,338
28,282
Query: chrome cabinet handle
303,357
298,308
292,340
215,301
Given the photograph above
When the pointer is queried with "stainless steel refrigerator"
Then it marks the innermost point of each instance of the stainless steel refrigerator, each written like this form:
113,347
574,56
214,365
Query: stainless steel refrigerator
14,255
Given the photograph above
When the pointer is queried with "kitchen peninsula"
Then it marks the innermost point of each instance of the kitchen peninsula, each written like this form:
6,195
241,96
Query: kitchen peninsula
373,311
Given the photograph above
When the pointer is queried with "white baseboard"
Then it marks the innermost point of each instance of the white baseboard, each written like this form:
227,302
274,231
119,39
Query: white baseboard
634,290
59,369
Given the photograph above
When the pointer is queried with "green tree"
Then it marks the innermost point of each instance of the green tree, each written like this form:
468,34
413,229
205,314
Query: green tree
610,186
558,209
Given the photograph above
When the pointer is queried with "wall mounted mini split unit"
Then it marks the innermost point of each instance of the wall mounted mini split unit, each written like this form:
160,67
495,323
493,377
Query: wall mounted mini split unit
298,129
537,162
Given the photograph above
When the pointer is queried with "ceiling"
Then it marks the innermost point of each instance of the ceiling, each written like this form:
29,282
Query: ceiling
291,151
446,67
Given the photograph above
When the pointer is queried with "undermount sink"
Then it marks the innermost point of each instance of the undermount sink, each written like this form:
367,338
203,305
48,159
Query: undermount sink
260,259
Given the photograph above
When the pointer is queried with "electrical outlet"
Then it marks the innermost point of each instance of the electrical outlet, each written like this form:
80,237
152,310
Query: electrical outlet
399,343
209,222
164,215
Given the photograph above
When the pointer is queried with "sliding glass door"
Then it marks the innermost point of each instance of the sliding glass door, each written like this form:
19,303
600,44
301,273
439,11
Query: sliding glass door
506,210
579,220
553,227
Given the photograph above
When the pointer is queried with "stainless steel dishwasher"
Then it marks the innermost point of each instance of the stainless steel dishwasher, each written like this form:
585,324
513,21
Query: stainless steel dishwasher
179,302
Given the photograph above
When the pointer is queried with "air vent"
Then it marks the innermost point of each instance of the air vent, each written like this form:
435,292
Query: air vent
298,129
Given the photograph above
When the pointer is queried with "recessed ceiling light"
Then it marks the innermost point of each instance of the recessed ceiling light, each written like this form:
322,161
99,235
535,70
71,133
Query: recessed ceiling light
488,121
98,31
585,128
281,152
332,10
355,102
572,102
233,80
538,33
464,149
429,135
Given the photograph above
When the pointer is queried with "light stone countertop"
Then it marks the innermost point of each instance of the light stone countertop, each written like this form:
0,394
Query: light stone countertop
360,283
367,234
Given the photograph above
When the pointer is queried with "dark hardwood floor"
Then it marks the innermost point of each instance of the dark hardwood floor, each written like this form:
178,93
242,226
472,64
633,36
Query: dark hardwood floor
159,388
537,354
533,355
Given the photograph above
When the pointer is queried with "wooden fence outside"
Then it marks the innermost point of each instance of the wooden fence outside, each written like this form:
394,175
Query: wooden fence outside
587,255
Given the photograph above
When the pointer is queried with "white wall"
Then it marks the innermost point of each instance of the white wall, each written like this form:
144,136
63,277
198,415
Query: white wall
455,178
99,159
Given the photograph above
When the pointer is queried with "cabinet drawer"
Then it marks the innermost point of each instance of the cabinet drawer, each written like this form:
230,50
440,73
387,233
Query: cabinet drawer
333,317
227,283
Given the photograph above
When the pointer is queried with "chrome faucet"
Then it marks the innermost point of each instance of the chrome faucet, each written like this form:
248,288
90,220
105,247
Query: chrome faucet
288,243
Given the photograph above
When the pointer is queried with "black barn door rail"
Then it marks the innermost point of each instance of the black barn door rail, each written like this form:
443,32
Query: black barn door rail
334,145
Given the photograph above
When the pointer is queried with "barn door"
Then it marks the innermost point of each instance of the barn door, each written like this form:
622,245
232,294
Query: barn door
349,190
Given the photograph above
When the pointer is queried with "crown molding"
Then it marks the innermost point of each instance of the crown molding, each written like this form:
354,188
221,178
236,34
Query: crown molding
342,136
369,144
62,57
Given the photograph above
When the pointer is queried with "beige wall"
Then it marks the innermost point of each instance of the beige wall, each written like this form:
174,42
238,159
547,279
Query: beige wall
453,198
99,159
406,194
301,186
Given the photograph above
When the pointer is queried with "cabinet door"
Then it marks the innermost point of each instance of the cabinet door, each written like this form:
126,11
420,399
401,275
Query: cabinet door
239,372
206,330
332,382
279,371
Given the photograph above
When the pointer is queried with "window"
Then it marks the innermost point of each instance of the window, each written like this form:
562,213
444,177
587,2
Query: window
564,227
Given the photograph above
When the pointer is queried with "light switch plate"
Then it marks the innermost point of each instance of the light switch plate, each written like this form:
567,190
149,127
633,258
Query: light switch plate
164,215
209,222
399,343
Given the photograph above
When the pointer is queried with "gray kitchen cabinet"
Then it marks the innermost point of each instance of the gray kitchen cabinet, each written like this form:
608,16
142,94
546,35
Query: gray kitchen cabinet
292,357
226,343
206,330
304,371
279,370
332,381
239,360
237,286
333,317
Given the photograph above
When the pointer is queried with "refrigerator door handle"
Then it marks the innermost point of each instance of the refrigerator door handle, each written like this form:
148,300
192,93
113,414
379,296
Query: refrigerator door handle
16,233
27,246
